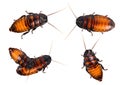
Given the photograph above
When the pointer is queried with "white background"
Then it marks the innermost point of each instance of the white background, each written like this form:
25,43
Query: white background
67,51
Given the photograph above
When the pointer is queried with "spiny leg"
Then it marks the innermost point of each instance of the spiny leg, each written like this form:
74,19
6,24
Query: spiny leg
103,68
43,70
91,33
24,34
83,66
29,12
99,60
89,30
32,30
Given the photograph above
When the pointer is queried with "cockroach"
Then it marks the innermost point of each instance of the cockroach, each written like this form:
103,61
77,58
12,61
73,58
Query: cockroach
93,23
30,22
18,56
28,66
34,65
91,62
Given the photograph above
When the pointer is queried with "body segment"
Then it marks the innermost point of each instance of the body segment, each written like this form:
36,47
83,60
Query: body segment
96,72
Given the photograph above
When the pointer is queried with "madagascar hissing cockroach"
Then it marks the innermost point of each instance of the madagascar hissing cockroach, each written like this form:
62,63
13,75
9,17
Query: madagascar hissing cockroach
30,22
27,65
91,62
93,23
34,65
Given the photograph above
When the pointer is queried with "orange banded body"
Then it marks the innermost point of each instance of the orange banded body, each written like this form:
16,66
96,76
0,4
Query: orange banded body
18,56
28,66
93,67
34,65
95,23
20,25
28,22
96,72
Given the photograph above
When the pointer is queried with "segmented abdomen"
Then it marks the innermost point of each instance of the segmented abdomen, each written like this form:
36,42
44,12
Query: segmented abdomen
102,23
18,55
20,25
95,72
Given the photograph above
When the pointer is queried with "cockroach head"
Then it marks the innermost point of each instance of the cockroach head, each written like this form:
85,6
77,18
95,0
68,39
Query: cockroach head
43,18
80,21
47,58
88,52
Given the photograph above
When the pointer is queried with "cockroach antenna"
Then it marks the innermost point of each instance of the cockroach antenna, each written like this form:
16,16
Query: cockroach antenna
75,17
93,45
56,12
70,32
72,11
50,53
54,27
52,14
96,43
83,41
57,62
51,47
